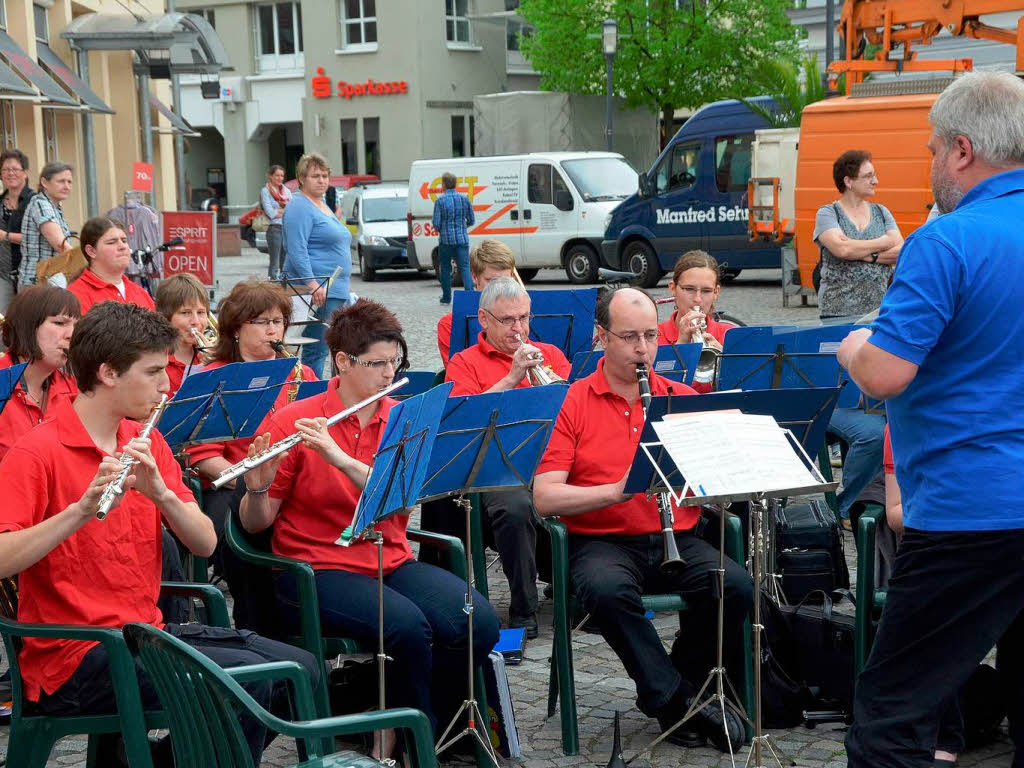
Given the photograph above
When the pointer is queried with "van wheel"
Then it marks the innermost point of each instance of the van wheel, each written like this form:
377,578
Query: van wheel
527,274
728,275
641,260
581,264
366,270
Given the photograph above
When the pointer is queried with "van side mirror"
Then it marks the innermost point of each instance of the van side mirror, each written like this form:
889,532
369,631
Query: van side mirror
563,200
643,184
351,220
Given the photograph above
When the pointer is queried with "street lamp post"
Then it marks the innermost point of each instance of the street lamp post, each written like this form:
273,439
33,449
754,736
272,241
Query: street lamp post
610,44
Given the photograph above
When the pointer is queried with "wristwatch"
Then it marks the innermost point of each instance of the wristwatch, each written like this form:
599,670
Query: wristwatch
874,257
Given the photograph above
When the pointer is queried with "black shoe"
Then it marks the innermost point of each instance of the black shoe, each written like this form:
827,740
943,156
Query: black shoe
709,721
446,301
529,623
686,735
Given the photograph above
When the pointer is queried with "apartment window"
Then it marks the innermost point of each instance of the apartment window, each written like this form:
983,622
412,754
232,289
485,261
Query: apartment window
42,27
359,25
279,37
50,134
8,132
456,21
463,139
371,143
208,14
349,156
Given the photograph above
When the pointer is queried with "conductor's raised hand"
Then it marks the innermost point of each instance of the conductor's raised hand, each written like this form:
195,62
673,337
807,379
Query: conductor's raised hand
317,437
263,475
106,473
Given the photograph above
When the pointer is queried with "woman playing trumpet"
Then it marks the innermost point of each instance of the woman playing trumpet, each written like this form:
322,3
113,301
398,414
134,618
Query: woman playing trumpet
695,285
309,496
183,300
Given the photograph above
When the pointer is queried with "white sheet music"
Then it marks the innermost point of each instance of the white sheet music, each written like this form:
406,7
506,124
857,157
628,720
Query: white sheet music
728,452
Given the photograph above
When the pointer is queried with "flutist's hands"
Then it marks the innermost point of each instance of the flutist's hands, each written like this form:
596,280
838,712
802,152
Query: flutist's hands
317,437
148,480
106,473
263,475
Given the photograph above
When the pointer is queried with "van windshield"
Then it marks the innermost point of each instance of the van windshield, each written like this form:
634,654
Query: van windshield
602,178
385,208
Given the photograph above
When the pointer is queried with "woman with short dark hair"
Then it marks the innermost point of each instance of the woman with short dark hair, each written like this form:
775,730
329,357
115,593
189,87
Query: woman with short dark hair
859,241
13,202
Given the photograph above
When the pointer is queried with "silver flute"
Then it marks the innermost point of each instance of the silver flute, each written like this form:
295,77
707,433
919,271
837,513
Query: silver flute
115,487
286,443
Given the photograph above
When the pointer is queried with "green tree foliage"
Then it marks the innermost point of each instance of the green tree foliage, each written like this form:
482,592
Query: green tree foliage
671,53
791,89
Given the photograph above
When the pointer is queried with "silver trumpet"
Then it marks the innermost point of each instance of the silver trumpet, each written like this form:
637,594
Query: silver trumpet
115,487
287,443
707,364
540,375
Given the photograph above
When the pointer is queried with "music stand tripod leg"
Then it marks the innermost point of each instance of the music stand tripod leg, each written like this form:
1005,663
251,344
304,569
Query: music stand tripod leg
476,725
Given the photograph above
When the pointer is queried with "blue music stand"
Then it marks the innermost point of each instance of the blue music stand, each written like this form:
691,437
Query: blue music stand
485,443
419,382
562,318
804,412
9,378
224,403
310,388
674,361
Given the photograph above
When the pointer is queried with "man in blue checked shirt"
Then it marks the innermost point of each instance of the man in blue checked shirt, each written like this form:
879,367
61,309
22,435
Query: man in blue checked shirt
453,214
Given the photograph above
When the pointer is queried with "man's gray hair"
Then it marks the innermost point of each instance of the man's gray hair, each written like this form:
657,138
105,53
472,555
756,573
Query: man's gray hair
501,288
987,108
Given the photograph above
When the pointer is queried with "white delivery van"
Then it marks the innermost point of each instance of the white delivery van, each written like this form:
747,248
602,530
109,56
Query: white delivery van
550,208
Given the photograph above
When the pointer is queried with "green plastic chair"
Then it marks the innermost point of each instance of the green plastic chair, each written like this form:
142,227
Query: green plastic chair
561,681
870,601
203,702
32,736
310,636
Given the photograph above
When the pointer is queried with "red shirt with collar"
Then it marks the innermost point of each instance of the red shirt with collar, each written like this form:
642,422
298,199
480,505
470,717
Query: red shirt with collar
107,572
444,338
318,501
478,368
176,371
21,414
594,440
668,333
235,450
91,289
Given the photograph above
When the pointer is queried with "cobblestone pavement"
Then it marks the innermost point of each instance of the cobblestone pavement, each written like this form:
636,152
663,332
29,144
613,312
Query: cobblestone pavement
601,683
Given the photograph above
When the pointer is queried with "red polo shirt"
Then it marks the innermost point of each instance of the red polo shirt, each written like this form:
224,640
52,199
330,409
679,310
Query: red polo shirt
594,440
91,289
668,333
478,368
176,371
21,414
235,450
107,572
318,500
444,338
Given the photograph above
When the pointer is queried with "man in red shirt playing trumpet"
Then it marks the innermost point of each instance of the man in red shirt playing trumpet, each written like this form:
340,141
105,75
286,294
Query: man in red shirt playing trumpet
501,360
615,544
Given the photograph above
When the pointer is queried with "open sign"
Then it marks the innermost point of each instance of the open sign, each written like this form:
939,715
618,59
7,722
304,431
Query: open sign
198,251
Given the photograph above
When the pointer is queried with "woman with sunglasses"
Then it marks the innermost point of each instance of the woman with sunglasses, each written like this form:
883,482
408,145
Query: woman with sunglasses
695,285
308,497
252,320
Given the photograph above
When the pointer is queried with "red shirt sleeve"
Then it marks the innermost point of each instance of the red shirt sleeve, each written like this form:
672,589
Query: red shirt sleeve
24,477
559,363
444,337
460,372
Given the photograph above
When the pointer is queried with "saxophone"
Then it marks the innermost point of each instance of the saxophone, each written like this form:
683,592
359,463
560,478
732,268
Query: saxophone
296,377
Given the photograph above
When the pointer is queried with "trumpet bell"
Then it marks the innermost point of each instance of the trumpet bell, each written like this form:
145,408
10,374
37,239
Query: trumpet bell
707,366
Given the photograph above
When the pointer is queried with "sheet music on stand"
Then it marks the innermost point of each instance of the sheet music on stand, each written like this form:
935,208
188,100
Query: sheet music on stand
301,294
9,378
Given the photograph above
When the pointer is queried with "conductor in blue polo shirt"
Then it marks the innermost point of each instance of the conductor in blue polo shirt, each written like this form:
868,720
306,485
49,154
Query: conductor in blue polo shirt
453,215
947,351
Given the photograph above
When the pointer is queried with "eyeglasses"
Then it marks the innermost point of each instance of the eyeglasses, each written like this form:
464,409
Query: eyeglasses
378,365
633,337
869,176
12,169
509,322
263,322
692,290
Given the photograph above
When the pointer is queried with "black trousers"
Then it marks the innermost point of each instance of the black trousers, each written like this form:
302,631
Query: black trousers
609,576
514,525
1010,664
952,596
90,690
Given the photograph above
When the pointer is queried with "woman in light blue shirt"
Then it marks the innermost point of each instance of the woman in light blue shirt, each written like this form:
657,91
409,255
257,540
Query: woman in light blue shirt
316,247
274,196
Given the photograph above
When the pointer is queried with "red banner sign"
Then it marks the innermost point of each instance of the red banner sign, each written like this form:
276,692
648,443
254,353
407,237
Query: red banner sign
142,177
198,230
321,87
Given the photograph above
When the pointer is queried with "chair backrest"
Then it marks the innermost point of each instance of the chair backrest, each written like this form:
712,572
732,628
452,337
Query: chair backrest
9,615
202,703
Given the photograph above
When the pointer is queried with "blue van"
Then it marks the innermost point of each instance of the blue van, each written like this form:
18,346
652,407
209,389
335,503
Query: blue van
695,196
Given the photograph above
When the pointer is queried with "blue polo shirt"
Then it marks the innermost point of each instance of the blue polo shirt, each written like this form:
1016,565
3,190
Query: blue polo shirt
956,309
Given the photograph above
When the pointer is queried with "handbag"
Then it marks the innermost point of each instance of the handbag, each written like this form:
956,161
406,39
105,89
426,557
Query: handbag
260,223
823,640
71,263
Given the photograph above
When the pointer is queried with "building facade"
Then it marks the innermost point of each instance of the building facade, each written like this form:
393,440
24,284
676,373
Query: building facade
370,84
41,110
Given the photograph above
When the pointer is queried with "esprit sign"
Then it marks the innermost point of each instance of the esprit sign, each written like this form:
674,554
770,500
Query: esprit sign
322,88
196,255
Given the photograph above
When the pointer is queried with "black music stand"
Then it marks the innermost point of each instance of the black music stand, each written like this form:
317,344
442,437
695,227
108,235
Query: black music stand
9,378
485,443
299,286
399,468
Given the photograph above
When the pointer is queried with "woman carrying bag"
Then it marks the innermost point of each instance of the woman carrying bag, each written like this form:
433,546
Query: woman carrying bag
274,196
44,231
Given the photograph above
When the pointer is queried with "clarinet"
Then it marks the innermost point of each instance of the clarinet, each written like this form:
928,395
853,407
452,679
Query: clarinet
115,487
671,562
